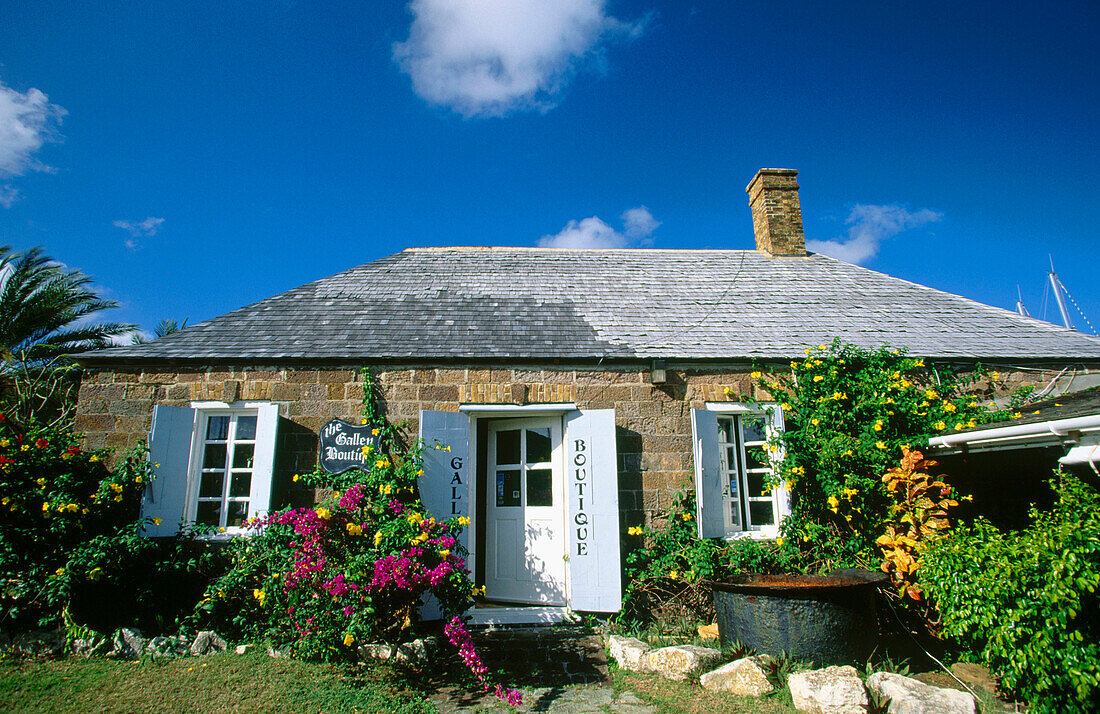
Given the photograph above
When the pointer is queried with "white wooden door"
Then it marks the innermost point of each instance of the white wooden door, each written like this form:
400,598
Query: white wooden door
525,514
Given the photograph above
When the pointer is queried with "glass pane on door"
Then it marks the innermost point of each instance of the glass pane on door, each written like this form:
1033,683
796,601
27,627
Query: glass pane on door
508,447
508,493
538,446
539,491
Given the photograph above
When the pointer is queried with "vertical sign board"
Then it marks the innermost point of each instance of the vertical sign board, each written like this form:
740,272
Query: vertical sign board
445,484
592,481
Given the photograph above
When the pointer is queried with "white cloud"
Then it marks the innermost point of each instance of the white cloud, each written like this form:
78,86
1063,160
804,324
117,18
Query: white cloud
27,121
869,225
139,229
638,225
8,195
492,57
639,222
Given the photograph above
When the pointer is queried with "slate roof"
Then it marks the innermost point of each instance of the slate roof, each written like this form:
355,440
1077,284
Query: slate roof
1066,406
497,304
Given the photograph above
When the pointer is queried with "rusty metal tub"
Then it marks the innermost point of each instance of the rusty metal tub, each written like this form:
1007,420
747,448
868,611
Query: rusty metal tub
828,619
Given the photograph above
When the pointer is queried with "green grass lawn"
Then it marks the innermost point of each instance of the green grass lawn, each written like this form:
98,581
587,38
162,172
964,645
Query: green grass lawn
223,682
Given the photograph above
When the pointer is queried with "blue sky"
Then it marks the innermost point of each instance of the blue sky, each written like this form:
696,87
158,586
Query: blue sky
196,157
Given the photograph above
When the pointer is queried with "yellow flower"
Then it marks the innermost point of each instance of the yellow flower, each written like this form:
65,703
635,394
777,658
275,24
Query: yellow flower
259,595
774,385
756,375
24,447
324,514
4,500
59,572
847,453
295,479
798,471
1017,415
807,351
156,521
377,538
821,347
939,426
880,444
348,639
905,383
673,574
353,529
336,495
46,506
949,407
839,395
4,442
728,391
785,405
414,518
794,365
93,458
973,404
878,425
686,516
463,521
40,482
849,492
444,553
420,472
779,541
818,378
363,420
367,449
815,422
137,479
972,423
634,530
994,375
834,502
375,432
381,463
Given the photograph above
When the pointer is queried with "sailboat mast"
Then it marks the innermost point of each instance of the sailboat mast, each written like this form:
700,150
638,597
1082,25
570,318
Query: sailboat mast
1056,286
1020,302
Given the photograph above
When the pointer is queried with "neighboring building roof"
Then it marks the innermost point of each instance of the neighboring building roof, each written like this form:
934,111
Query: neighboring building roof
549,304
1070,419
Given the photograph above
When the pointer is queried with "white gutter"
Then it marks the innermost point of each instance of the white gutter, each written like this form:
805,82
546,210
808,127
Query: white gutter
1057,431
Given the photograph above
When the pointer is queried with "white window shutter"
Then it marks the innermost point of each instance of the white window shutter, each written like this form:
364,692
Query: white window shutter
776,425
263,461
709,492
445,485
170,451
592,481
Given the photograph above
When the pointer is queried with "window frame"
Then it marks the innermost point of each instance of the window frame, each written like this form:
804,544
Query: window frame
204,411
772,414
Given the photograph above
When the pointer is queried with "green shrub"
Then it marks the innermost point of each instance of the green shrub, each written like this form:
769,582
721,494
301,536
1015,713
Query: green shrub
1026,602
849,412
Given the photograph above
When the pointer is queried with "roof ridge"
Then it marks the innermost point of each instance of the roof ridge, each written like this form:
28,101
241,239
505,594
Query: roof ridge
578,250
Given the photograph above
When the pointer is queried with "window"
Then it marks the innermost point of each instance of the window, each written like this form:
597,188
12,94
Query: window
213,465
732,468
228,452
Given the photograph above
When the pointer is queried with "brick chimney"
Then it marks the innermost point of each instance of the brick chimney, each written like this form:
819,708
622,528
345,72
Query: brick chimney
776,213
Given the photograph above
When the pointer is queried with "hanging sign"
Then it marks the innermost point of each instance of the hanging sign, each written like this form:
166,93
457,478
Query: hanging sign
342,445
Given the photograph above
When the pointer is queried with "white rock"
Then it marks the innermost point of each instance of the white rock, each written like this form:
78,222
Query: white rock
908,696
127,643
243,649
833,690
379,652
278,652
627,651
747,677
678,662
416,652
207,642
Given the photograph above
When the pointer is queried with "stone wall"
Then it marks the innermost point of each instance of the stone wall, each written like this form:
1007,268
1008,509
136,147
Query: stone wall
653,421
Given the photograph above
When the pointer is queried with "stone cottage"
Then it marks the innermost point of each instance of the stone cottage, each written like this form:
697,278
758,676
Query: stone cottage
579,390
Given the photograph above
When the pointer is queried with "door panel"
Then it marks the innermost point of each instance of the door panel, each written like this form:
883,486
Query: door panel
525,547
